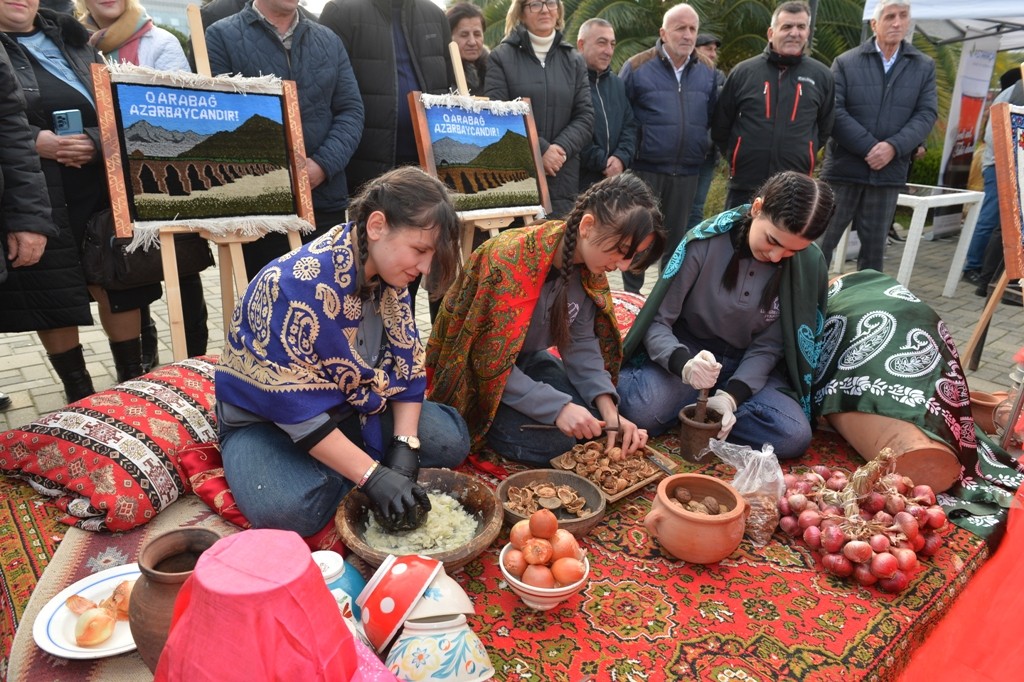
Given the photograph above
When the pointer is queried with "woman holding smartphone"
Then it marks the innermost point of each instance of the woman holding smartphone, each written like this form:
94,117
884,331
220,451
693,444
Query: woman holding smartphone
52,57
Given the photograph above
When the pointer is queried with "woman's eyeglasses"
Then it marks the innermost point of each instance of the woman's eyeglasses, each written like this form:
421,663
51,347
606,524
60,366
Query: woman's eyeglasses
536,7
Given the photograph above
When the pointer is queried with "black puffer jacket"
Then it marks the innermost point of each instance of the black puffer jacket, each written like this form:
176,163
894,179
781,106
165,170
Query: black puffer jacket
365,28
559,94
24,204
899,109
52,293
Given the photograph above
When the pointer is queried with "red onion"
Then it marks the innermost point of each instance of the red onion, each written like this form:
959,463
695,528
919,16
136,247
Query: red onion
897,583
832,537
907,525
808,518
906,559
863,576
924,494
874,502
932,543
884,565
936,517
857,551
822,471
879,542
812,536
837,564
789,525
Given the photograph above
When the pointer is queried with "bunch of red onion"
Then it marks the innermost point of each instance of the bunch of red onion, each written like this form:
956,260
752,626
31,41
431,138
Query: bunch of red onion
869,526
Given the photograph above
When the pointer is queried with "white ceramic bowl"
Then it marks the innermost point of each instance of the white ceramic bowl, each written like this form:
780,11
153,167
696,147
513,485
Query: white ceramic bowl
392,593
444,597
444,648
540,598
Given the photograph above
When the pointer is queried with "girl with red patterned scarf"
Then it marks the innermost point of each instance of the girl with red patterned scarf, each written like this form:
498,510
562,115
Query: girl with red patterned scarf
532,288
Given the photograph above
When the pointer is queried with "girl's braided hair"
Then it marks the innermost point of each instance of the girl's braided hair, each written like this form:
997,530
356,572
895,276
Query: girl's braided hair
409,199
625,214
795,202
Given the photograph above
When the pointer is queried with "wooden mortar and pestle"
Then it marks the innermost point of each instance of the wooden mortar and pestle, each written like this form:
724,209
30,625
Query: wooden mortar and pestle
697,425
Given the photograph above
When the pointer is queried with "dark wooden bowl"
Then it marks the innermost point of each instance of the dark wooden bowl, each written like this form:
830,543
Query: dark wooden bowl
472,493
577,525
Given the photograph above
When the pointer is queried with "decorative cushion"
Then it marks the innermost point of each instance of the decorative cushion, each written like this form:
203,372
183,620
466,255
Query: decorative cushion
110,461
627,307
204,469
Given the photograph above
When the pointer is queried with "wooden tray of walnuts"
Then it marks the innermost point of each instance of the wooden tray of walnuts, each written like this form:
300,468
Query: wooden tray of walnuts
616,474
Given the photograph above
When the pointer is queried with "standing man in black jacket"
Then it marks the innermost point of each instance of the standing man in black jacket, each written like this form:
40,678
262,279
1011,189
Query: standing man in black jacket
776,109
886,104
614,144
25,222
396,46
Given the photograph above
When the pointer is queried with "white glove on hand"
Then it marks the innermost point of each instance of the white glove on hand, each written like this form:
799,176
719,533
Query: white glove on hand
701,371
725,405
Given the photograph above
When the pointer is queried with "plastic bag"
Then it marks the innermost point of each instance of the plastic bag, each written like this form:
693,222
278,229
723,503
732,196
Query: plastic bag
759,479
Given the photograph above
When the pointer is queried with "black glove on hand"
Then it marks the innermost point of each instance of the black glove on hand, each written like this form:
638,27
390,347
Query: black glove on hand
398,503
403,459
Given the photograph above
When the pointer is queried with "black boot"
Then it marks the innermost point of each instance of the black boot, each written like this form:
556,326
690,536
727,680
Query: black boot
127,358
70,367
150,352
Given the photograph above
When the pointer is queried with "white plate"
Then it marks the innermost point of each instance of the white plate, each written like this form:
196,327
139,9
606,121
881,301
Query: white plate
54,629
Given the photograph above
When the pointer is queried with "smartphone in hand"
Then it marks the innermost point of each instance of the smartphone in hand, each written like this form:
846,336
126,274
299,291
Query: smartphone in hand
67,122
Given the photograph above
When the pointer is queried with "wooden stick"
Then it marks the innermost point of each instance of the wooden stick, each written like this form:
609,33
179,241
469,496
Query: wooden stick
460,74
195,28
700,412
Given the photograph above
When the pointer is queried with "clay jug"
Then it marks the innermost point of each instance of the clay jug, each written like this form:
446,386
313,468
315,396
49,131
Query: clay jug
983,405
166,562
692,537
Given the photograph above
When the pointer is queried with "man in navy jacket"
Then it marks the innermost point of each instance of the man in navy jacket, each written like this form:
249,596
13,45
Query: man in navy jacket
673,94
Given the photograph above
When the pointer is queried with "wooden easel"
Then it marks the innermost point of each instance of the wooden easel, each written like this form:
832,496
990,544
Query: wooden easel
230,260
1010,226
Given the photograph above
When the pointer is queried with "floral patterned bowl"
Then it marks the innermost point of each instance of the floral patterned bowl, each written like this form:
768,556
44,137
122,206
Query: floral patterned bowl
443,648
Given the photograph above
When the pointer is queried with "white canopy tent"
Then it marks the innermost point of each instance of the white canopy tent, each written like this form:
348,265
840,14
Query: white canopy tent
950,21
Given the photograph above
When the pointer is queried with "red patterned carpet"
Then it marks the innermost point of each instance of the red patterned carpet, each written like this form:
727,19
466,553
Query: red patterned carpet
768,614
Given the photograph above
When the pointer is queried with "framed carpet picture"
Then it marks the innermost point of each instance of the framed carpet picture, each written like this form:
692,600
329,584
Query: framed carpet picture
486,152
1008,146
220,154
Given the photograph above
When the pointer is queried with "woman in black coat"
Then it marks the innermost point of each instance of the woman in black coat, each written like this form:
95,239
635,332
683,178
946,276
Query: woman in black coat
52,59
533,61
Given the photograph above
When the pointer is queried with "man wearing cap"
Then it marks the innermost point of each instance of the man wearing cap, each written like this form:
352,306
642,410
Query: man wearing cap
707,52
673,94
613,145
776,109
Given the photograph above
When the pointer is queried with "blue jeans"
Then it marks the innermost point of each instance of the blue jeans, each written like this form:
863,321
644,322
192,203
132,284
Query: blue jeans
534,447
704,178
988,220
651,398
279,485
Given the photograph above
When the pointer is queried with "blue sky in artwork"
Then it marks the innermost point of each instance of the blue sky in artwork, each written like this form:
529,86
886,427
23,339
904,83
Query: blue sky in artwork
200,111
465,126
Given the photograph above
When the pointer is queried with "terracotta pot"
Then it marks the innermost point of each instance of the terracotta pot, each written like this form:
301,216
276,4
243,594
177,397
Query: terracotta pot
692,537
694,435
165,562
925,461
983,405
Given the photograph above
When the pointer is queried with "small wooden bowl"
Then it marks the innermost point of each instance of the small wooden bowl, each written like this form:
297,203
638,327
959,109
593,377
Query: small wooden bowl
577,525
472,493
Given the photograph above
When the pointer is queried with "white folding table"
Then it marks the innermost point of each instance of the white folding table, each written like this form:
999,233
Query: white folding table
920,198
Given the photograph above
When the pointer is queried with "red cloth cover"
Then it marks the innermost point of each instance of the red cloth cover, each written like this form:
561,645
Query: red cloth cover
257,608
204,470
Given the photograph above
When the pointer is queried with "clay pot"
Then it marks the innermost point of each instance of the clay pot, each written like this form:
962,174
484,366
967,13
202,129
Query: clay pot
983,405
694,435
692,537
925,461
165,562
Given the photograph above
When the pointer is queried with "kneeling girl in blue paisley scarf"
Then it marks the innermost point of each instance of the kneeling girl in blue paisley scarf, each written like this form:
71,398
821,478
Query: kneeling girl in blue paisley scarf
321,384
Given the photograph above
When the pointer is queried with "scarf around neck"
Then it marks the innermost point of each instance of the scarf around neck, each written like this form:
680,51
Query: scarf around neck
119,42
802,314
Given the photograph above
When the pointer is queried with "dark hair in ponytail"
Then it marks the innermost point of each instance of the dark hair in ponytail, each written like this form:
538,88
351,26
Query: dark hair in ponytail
625,214
795,202
409,199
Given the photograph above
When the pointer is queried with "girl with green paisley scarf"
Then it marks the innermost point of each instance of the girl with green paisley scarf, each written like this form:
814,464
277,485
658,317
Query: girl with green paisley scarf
737,311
